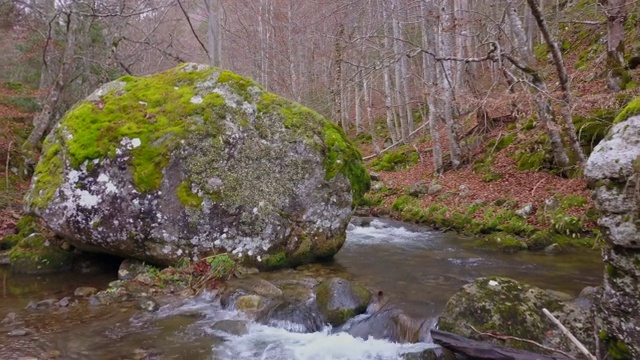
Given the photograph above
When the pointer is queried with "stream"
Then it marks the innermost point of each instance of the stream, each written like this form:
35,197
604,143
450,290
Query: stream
418,268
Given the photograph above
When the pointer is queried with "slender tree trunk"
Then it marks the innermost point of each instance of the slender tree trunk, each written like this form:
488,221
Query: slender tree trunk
538,87
388,90
428,72
398,50
618,75
564,82
44,119
337,77
446,81
213,31
370,120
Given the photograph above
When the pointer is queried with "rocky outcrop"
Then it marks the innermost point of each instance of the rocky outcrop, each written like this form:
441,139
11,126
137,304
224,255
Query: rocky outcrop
196,161
613,171
507,307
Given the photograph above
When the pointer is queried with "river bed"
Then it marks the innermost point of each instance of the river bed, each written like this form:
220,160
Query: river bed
418,268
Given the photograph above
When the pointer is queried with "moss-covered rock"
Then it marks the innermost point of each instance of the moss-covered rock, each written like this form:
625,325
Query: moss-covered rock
196,161
502,241
507,307
339,300
34,254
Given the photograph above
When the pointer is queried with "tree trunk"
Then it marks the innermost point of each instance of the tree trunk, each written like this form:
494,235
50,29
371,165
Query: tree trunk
618,75
428,73
213,31
337,76
370,120
561,70
43,120
538,88
398,48
446,81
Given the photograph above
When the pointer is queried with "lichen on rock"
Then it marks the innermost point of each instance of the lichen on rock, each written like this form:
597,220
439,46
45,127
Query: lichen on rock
613,170
507,307
196,161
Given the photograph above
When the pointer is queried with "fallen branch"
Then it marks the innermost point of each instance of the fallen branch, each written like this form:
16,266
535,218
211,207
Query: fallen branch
568,334
507,337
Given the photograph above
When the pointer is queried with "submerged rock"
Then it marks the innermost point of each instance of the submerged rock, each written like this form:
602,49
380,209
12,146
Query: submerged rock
195,161
508,307
613,170
339,300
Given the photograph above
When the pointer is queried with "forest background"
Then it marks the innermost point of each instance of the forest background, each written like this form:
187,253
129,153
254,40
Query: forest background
470,112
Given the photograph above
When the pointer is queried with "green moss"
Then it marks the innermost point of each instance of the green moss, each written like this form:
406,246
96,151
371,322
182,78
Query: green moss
572,201
48,173
9,241
34,255
342,157
616,349
395,160
276,261
632,109
187,197
500,143
540,51
593,128
503,242
402,202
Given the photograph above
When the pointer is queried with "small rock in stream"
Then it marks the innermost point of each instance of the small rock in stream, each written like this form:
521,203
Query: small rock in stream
148,304
11,318
85,291
18,332
233,327
64,302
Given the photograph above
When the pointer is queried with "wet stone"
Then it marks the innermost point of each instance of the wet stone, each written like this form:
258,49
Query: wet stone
148,304
17,333
85,291
233,327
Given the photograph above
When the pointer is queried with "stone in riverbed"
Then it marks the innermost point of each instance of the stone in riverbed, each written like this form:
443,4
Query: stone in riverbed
508,307
85,291
233,327
195,161
339,300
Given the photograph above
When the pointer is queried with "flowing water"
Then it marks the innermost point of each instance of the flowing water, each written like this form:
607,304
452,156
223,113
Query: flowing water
418,268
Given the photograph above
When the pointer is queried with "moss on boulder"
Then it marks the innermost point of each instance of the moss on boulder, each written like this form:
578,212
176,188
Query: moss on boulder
195,161
339,300
507,307
34,254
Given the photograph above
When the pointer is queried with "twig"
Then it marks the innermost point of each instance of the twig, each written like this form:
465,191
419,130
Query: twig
568,334
507,337
536,186
6,166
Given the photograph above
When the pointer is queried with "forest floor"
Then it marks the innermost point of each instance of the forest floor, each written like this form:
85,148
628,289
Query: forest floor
17,107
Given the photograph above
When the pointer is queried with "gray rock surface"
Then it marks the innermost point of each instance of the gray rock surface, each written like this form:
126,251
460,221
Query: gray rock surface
613,171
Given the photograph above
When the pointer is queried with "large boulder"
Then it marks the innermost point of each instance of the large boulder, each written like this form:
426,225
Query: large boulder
613,171
195,161
505,306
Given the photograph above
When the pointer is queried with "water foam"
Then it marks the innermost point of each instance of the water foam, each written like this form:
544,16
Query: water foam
269,343
379,232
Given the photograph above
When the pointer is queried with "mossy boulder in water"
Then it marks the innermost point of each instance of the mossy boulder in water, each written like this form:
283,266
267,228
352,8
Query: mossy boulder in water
195,161
613,170
507,307
339,300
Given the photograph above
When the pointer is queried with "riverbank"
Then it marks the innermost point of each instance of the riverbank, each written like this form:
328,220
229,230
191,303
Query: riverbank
500,195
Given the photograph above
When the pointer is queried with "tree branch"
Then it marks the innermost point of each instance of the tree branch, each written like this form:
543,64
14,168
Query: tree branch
193,31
